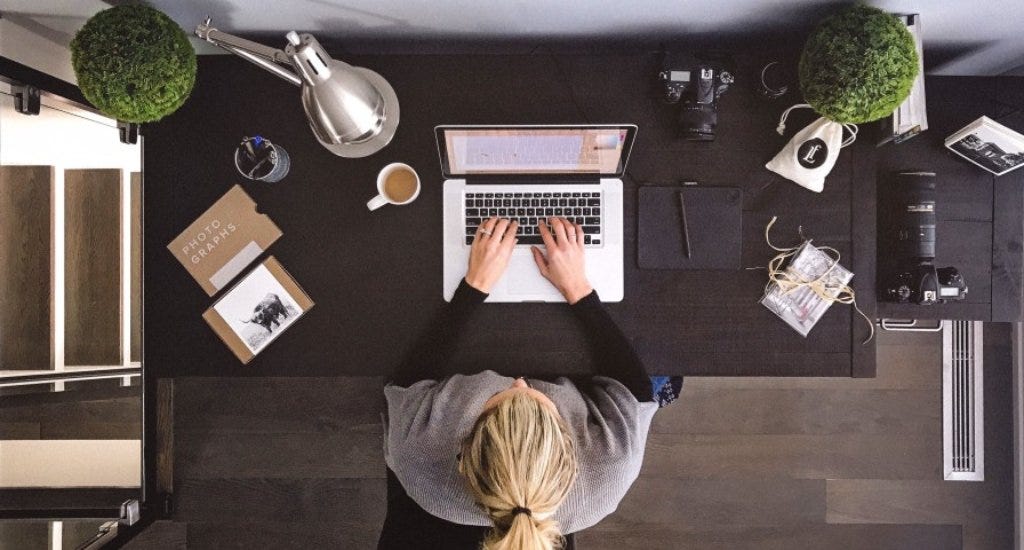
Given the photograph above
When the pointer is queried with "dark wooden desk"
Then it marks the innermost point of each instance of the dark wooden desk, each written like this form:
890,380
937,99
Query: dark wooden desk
980,227
376,277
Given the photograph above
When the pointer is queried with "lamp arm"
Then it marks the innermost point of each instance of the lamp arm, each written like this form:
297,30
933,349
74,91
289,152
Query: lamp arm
263,63
263,56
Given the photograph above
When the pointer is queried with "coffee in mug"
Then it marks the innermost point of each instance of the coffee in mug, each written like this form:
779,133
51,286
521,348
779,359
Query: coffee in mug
400,185
397,184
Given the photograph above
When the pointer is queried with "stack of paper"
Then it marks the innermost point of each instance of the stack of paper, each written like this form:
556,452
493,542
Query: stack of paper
911,117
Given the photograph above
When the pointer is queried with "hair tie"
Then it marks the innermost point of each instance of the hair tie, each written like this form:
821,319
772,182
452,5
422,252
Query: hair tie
520,510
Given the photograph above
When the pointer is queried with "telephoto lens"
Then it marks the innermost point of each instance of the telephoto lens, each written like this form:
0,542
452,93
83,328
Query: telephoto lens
916,226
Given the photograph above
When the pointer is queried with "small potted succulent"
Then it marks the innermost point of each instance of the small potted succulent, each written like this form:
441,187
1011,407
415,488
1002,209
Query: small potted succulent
858,65
134,63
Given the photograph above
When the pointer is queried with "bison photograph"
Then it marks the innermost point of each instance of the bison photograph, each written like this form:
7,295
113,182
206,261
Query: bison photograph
258,308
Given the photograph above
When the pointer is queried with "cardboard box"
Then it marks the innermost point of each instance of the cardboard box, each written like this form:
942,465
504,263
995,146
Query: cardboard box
224,240
257,309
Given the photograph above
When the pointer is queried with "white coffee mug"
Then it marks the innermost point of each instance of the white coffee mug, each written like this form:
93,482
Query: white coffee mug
382,198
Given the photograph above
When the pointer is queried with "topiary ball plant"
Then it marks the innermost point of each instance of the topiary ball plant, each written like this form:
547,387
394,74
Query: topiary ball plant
134,63
858,65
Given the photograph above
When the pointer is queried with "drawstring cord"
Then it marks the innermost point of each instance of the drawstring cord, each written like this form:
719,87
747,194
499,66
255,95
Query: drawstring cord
852,129
781,128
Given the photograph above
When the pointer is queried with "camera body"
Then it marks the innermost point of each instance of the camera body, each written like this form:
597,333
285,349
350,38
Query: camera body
697,84
915,278
925,284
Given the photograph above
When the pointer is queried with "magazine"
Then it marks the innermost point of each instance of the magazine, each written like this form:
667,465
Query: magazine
989,145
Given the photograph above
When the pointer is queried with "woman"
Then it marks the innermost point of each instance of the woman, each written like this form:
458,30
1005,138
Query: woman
513,463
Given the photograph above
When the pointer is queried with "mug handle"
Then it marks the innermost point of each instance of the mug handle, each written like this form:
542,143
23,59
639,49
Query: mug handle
376,202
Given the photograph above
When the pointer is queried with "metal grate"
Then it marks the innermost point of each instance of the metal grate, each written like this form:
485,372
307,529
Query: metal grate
963,429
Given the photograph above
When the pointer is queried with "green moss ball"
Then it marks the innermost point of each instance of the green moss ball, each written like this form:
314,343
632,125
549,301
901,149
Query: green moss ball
858,65
134,63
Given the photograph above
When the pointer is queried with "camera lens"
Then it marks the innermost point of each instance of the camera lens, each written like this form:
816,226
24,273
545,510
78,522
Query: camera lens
698,121
917,223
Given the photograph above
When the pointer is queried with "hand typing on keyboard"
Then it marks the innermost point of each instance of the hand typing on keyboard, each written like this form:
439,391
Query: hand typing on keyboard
562,263
488,257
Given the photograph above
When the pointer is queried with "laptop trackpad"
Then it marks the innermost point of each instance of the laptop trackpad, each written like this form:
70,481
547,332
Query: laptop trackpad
523,277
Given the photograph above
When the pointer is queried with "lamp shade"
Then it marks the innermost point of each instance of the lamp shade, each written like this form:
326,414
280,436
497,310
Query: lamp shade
352,111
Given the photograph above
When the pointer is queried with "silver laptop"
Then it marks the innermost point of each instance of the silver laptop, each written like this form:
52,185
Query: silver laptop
529,173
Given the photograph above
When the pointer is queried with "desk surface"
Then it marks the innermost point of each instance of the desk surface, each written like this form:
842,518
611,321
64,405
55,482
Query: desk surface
376,277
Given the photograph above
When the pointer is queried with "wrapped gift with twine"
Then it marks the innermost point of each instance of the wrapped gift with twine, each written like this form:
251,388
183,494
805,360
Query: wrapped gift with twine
804,281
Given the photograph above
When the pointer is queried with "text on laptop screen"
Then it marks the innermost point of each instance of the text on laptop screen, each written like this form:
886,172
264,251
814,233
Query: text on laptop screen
535,150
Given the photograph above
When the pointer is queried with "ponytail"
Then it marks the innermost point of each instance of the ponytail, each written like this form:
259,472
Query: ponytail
520,462
524,532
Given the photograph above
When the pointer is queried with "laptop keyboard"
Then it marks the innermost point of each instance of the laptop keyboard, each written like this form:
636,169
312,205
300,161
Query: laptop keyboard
583,208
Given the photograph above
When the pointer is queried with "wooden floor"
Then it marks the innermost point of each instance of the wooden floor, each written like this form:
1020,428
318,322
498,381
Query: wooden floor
25,267
99,409
92,209
736,463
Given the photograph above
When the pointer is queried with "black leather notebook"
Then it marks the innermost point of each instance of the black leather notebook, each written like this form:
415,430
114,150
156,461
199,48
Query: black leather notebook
714,222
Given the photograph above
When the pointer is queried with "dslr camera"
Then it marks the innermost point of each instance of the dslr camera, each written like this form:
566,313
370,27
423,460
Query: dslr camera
916,279
697,84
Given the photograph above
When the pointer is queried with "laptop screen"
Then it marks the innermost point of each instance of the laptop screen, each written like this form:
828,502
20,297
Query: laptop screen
566,150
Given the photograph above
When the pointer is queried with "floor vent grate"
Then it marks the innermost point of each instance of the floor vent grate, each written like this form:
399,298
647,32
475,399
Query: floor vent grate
963,427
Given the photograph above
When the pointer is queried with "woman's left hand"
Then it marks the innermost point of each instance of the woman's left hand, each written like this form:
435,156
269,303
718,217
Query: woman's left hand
488,257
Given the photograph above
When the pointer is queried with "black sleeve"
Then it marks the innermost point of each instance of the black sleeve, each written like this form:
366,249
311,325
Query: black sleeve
435,346
614,356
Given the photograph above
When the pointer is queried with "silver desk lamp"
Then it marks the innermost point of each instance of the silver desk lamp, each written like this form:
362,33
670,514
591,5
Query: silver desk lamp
353,111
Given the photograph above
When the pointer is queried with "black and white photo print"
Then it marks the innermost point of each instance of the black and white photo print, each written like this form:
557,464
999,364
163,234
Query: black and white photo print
990,145
258,309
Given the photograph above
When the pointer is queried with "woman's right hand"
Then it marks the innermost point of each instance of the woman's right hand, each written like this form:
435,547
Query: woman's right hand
563,264
492,248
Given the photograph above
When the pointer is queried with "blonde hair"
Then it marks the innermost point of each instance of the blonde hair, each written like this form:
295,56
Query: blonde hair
520,455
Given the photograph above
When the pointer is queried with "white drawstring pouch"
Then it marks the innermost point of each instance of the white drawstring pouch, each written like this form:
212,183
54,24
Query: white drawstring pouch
812,152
